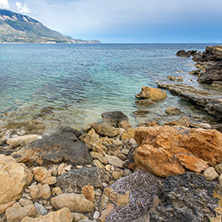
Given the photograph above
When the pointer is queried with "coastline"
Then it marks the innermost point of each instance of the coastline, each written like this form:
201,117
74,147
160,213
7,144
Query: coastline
98,173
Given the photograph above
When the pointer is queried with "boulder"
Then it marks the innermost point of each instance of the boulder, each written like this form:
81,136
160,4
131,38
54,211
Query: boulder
17,212
62,146
74,180
104,129
114,118
14,178
185,197
165,150
22,140
75,202
62,215
153,94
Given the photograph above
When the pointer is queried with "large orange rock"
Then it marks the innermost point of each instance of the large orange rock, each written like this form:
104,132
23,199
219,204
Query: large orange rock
166,150
154,94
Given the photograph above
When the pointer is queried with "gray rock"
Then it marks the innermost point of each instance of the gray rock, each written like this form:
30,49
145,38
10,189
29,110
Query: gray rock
185,197
114,118
75,179
42,210
62,146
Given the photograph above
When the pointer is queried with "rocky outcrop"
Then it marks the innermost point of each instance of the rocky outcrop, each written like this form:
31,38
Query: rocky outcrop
206,100
166,150
62,146
185,197
183,53
14,178
210,65
153,94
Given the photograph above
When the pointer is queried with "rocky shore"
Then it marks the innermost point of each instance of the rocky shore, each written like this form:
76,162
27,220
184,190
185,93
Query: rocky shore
111,171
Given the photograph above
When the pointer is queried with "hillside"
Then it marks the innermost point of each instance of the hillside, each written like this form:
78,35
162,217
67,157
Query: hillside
20,28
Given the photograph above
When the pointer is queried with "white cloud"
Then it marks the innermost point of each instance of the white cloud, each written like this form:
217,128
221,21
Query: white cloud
4,4
22,8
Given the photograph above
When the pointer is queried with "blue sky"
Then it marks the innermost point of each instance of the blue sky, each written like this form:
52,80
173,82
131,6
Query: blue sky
117,21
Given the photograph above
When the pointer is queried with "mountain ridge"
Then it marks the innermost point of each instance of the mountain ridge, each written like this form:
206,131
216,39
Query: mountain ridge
18,28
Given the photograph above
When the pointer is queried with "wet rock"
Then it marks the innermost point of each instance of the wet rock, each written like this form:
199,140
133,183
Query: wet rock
195,72
183,53
153,94
114,118
177,193
184,121
75,202
17,212
141,112
40,191
74,180
173,111
217,84
104,129
166,150
210,174
63,146
174,78
62,215
144,102
22,140
43,175
211,103
14,178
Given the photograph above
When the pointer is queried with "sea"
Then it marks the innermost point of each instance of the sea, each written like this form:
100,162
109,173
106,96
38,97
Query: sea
72,84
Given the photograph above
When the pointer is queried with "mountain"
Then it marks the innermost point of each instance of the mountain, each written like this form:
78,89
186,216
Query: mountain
20,28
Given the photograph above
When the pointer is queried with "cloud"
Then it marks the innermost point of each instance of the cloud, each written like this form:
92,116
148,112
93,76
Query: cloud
4,4
22,8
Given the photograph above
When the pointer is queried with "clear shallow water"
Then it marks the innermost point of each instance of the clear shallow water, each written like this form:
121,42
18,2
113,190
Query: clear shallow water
79,82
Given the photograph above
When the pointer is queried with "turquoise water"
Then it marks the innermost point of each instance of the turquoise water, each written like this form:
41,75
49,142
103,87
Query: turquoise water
79,82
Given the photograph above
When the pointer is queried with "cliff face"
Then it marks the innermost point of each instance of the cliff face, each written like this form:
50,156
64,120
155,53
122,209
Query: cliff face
16,27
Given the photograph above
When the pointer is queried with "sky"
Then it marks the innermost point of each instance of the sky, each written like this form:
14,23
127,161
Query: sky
128,21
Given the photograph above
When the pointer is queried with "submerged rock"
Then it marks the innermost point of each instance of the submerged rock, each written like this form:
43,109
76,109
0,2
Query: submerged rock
114,118
62,146
185,197
169,150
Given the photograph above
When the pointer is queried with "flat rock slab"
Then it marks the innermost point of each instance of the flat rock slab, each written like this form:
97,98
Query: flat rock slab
211,103
63,146
75,179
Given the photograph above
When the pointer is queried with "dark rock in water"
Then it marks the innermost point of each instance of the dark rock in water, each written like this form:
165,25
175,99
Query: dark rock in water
142,187
185,198
212,73
144,102
173,111
141,112
195,72
75,179
63,146
183,53
114,118
217,84
211,103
